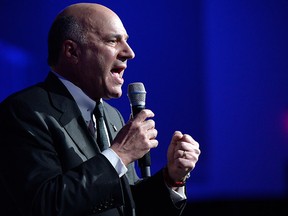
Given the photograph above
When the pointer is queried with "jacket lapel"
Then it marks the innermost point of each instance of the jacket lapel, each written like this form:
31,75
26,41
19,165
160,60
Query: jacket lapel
82,139
70,117
113,120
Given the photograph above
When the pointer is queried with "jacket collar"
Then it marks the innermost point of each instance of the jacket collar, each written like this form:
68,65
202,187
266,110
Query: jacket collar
70,118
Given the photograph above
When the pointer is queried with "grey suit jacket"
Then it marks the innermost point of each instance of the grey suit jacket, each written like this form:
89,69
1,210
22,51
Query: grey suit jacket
51,165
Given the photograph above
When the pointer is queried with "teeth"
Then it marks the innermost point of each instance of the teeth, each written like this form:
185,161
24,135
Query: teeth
116,73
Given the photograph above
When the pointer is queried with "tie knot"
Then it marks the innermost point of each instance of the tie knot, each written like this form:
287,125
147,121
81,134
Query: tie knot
98,111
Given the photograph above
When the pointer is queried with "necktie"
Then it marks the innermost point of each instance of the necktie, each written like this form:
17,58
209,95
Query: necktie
102,138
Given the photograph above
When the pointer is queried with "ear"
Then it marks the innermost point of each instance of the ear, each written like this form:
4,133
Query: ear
71,51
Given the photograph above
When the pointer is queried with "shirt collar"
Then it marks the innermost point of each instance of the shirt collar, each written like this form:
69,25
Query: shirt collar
84,102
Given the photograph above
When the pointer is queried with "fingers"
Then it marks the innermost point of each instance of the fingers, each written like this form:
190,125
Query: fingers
136,138
189,155
150,128
146,125
176,137
187,148
187,142
183,155
143,115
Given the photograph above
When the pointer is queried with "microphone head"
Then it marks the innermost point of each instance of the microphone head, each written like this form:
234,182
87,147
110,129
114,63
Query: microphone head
136,94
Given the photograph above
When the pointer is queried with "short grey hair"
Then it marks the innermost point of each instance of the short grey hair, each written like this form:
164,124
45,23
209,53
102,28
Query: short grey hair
63,28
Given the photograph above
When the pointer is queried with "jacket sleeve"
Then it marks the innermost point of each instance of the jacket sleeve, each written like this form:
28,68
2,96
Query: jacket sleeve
34,147
158,199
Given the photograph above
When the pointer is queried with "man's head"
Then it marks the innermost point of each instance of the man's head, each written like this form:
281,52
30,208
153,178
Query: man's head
87,44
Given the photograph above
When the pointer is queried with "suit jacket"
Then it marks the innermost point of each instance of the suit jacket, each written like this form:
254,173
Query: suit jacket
50,164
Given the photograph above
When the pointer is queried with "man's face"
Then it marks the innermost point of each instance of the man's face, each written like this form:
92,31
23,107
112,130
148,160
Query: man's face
103,59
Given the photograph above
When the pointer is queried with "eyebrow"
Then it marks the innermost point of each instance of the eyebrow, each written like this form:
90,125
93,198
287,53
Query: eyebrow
120,36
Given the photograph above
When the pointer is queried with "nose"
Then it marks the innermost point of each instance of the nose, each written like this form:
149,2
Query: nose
127,52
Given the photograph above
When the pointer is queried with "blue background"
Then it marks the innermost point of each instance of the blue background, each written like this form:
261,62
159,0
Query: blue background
217,70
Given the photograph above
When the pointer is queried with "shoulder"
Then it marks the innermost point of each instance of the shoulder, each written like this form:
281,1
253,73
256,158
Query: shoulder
25,96
113,115
111,109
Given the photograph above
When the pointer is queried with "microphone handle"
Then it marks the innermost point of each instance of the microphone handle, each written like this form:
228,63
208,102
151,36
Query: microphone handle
144,162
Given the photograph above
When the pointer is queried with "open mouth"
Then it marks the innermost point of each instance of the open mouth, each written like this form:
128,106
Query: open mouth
118,72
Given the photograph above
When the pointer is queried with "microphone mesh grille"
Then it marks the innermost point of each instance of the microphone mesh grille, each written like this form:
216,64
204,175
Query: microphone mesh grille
136,94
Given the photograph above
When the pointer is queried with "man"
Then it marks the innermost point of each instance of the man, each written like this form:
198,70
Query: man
50,161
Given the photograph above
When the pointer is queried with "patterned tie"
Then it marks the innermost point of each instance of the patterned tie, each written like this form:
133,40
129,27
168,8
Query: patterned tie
102,138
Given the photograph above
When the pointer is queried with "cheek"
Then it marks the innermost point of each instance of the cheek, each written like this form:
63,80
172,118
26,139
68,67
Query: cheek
99,63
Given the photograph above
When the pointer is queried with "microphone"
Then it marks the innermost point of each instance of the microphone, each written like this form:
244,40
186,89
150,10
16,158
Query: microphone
137,96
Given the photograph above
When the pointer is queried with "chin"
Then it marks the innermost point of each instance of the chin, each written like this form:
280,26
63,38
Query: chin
118,91
117,94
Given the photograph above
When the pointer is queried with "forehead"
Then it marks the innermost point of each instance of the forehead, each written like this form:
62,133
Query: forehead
105,23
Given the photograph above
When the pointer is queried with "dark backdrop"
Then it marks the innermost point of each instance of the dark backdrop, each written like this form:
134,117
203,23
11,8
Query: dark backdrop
217,70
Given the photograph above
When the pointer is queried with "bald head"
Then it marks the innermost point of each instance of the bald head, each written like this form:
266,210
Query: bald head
82,10
74,22
87,44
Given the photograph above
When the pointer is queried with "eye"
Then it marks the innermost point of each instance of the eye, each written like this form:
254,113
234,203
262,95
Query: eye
112,42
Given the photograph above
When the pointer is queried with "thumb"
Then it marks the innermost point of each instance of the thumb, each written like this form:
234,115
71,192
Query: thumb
171,149
176,136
